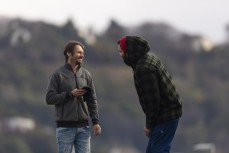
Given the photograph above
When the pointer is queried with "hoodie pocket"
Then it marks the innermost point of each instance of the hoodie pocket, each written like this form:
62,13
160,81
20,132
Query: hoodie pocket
59,111
83,111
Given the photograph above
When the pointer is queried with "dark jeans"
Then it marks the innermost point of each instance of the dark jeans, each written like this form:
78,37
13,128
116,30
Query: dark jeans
161,137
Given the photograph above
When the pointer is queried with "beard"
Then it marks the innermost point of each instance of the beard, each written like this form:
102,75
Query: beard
126,60
77,61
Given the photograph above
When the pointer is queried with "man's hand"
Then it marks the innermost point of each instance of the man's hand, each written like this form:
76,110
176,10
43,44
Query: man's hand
96,129
147,131
78,92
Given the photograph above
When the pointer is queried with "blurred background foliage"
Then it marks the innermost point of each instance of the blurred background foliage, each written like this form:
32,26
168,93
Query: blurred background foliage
31,51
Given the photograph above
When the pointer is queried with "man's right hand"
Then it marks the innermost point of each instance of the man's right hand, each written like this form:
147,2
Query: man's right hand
147,131
78,92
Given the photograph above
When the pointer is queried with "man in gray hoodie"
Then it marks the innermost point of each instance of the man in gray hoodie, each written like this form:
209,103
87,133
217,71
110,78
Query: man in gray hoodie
71,91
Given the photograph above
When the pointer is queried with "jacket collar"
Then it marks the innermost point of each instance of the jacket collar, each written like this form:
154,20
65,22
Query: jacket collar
68,66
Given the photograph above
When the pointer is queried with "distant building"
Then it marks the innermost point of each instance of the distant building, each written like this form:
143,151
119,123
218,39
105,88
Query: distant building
205,147
20,35
18,124
123,150
202,44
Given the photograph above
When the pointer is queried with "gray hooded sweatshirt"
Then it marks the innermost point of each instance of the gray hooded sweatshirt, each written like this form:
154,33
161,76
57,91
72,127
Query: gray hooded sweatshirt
72,111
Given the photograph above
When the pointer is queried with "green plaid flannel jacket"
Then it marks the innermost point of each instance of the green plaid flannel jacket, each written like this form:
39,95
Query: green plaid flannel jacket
157,94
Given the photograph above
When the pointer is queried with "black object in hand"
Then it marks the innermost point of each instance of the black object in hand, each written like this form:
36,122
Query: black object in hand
88,93
88,89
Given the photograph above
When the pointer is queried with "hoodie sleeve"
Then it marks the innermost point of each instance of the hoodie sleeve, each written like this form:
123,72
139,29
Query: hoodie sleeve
53,96
146,83
92,103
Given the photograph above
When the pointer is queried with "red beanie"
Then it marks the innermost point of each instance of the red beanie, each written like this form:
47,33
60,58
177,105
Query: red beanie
122,43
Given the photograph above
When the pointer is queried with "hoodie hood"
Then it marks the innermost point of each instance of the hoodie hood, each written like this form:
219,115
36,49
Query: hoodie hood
136,48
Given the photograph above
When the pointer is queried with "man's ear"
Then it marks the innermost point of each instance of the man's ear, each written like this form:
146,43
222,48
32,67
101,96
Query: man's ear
69,54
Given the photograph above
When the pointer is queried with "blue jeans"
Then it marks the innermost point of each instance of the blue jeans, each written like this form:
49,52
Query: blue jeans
78,137
161,137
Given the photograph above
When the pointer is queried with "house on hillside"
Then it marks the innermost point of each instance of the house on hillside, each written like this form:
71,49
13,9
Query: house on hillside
17,124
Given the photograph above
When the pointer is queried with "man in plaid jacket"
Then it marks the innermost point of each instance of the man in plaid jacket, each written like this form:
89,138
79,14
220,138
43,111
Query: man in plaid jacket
157,94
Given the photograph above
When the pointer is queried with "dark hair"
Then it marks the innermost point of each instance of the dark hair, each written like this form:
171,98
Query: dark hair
70,47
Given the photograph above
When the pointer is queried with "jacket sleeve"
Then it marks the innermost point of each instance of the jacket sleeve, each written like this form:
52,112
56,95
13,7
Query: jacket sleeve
53,97
92,103
146,82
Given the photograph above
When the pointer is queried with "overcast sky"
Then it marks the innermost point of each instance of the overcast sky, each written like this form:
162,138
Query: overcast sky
205,17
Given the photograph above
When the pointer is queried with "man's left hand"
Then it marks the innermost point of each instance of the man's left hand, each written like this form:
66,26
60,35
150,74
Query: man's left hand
96,129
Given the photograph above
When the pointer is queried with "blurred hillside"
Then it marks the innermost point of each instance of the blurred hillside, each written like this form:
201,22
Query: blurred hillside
30,51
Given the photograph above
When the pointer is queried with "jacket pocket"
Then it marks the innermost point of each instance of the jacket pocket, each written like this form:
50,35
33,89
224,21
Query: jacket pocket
83,111
59,111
